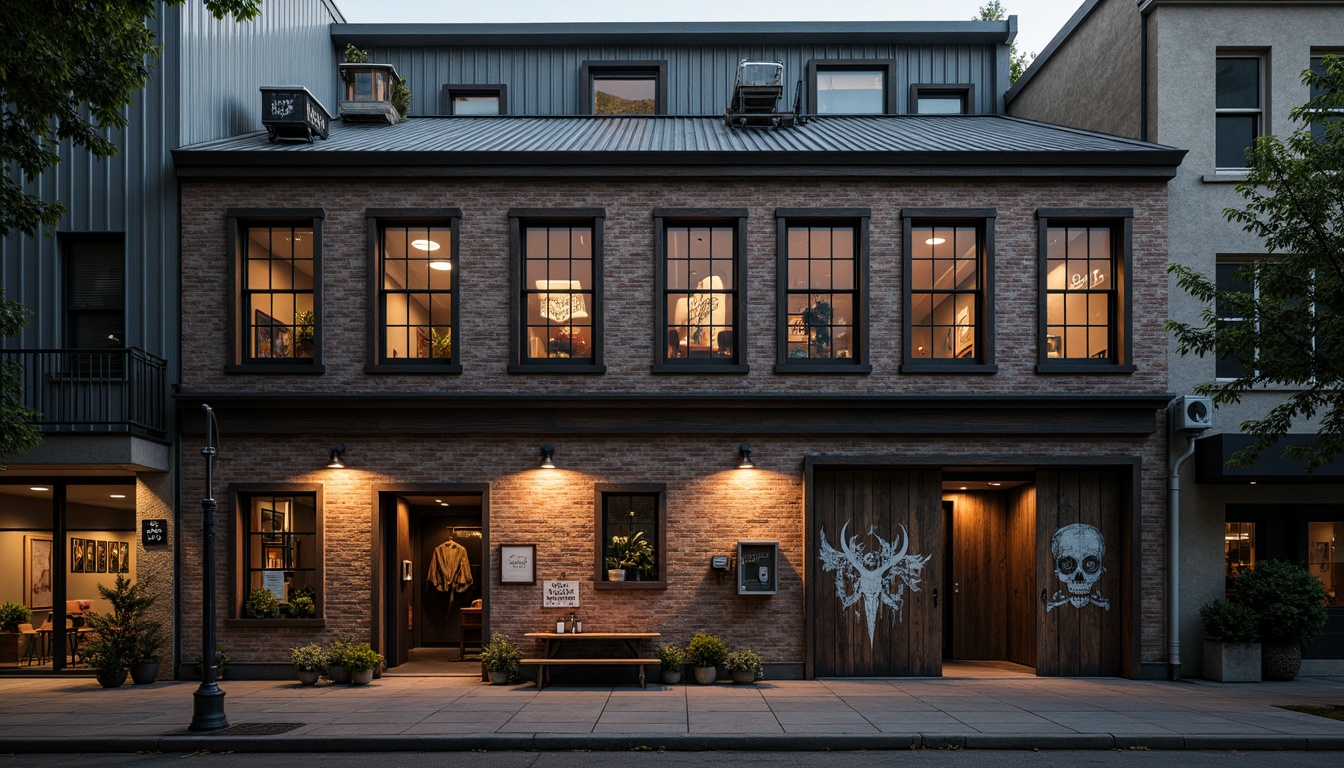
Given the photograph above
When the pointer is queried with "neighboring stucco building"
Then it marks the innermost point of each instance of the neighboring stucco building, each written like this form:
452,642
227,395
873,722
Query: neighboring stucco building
1209,77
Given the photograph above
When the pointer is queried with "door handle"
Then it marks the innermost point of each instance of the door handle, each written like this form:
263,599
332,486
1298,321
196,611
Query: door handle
956,587
1044,599
935,598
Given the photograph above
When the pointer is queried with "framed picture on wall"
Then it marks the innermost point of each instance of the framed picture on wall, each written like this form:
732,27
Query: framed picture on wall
113,557
125,557
90,555
37,571
76,555
102,557
518,563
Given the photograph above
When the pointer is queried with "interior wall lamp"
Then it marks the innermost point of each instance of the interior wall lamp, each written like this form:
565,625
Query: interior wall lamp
744,457
337,458
547,457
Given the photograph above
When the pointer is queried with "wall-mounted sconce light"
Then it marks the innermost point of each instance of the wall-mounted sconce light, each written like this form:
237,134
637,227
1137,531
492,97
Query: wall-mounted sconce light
547,457
744,457
337,458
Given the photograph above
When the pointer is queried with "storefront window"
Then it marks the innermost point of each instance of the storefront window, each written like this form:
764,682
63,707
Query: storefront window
1324,558
280,551
1238,549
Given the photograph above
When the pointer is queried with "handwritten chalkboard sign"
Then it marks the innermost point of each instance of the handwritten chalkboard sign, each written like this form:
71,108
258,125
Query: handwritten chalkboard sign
758,567
560,594
154,532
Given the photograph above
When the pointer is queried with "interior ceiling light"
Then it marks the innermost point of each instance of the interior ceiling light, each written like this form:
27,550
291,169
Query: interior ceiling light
425,245
935,241
995,484
442,266
963,487
118,495
39,488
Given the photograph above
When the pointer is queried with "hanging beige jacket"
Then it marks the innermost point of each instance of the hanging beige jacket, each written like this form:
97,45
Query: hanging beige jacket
449,570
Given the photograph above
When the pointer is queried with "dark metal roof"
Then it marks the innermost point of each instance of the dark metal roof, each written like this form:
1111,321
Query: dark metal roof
861,142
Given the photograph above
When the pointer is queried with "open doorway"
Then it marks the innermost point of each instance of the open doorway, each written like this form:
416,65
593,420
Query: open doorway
436,549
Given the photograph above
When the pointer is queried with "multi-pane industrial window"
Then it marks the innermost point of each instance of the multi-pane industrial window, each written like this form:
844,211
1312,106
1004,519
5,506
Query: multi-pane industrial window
631,529
279,319
945,291
1082,300
1234,291
415,298
1321,119
558,297
700,291
1238,102
280,551
821,292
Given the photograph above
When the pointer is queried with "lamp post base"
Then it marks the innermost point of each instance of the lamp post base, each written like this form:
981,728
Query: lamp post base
208,709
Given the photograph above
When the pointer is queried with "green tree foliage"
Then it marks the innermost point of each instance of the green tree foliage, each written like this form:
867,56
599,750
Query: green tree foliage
17,432
1293,333
67,72
1017,60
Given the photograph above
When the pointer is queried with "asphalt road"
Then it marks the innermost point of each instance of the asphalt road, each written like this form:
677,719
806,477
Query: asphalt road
913,758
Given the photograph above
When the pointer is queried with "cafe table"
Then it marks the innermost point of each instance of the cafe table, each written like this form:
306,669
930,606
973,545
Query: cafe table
579,645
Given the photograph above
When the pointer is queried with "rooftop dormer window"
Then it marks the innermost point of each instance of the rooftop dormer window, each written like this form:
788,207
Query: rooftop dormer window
625,87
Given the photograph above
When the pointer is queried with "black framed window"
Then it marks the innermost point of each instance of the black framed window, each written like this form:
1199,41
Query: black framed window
558,301
700,264
624,87
1085,312
474,100
949,294
631,522
279,535
942,99
851,86
1231,278
1239,100
95,290
413,276
823,265
278,279
1331,115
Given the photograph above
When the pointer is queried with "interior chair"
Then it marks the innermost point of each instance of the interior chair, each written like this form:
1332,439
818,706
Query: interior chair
725,344
674,343
30,637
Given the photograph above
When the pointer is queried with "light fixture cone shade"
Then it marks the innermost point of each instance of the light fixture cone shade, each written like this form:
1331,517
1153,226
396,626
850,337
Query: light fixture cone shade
547,457
565,306
744,457
337,458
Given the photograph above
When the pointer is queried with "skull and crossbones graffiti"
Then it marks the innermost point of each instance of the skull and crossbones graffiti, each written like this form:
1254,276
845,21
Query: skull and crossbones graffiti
871,576
1078,551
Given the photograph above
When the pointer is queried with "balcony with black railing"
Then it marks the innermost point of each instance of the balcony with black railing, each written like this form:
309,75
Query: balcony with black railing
103,391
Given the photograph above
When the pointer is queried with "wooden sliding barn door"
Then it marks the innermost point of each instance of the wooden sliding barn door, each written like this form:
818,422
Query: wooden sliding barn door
873,572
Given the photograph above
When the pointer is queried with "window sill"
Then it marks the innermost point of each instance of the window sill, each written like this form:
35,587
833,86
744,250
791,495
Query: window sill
427,368
1224,177
826,368
707,367
585,368
247,623
621,585
312,369
970,368
1084,368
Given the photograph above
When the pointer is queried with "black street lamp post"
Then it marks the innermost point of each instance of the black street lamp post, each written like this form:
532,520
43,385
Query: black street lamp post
208,701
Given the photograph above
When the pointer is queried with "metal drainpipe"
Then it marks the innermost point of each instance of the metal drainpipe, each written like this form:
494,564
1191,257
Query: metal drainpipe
1173,560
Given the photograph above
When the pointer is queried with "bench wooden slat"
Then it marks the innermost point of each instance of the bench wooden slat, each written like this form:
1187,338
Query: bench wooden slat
562,660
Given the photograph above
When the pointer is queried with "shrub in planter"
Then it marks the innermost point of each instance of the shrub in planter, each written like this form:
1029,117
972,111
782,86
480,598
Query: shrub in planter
126,638
336,652
1232,650
500,658
310,661
361,660
706,653
262,604
302,607
11,641
745,666
1290,604
673,660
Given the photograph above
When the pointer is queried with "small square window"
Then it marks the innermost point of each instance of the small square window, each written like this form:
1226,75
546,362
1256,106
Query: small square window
279,538
474,100
624,87
631,523
942,99
851,86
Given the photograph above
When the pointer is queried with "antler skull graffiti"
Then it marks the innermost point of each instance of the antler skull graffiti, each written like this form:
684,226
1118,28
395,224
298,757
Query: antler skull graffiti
1078,551
871,576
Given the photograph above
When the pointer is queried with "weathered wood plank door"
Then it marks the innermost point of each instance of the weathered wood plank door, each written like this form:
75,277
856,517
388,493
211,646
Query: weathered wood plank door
979,576
1079,571
874,573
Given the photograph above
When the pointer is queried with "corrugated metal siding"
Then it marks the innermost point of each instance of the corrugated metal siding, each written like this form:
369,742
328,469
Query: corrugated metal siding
544,80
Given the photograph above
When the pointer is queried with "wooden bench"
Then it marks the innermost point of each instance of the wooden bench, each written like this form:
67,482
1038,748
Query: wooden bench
543,664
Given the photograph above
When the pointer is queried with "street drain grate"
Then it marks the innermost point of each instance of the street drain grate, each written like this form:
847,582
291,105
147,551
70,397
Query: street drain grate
258,729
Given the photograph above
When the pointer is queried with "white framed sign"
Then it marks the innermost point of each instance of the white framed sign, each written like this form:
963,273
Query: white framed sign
560,594
273,580
518,563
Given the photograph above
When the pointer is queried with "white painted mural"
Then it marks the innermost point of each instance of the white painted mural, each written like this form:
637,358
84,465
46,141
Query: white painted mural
1078,551
877,578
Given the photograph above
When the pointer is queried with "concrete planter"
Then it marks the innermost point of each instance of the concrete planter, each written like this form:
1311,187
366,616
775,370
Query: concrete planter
671,677
308,676
1232,662
361,676
1280,662
706,675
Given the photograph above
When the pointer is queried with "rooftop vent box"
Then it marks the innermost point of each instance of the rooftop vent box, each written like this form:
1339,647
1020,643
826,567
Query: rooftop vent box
368,93
291,113
757,89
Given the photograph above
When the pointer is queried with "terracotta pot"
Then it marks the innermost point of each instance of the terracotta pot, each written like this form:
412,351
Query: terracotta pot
144,672
706,675
500,678
338,674
671,677
114,678
361,676
744,676
1280,662
309,676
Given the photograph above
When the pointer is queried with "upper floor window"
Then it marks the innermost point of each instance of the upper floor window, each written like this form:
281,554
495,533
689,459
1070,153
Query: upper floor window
851,86
949,295
278,279
1240,112
474,100
1085,291
1334,114
558,253
1231,278
414,289
822,296
632,536
95,290
702,315
941,99
280,549
625,87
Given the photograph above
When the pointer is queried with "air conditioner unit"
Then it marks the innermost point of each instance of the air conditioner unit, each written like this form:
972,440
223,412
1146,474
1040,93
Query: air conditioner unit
1192,412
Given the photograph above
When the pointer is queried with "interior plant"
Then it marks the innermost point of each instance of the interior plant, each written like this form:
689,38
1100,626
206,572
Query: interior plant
303,334
673,659
1232,644
310,661
440,344
1290,605
262,604
115,642
361,660
631,553
745,666
500,658
817,320
11,641
302,607
706,652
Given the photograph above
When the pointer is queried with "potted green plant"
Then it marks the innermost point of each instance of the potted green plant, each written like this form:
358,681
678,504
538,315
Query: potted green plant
706,653
11,639
361,661
302,607
629,557
337,672
672,659
303,334
115,643
1232,647
500,658
262,604
1290,604
745,666
310,661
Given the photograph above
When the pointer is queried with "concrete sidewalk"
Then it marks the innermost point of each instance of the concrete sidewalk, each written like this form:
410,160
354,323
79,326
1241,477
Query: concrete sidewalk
448,713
